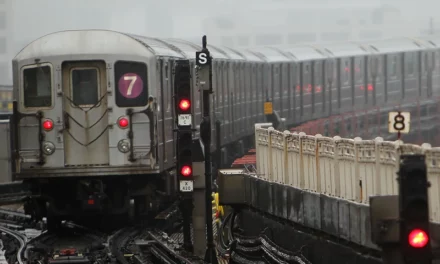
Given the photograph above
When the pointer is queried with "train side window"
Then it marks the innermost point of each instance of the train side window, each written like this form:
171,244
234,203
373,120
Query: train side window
359,70
37,86
348,126
392,65
423,111
346,73
131,84
85,85
409,62
437,60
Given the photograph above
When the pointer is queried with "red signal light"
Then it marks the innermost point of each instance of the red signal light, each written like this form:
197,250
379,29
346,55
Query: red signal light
48,125
184,104
418,238
186,171
123,122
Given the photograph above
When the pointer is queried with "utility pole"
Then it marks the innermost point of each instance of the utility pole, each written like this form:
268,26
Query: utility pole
204,76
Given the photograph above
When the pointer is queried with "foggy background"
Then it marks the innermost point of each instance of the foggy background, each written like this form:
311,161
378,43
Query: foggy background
234,23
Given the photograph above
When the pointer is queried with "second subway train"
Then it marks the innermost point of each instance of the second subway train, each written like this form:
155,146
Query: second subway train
82,94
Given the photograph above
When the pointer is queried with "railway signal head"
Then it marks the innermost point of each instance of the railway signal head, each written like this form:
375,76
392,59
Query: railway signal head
186,171
184,105
182,95
414,208
418,238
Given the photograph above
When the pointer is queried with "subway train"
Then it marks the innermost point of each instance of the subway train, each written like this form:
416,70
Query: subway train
93,113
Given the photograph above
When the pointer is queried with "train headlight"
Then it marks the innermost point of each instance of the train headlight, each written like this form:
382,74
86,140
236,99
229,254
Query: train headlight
124,146
48,148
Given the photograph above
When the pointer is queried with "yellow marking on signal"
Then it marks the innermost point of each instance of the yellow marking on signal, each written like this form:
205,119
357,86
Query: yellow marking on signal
268,109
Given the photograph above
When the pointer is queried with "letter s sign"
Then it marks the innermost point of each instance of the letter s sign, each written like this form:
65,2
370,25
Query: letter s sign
202,58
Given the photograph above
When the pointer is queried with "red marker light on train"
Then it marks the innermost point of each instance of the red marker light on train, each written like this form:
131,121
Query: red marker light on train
123,122
186,171
48,125
418,238
184,104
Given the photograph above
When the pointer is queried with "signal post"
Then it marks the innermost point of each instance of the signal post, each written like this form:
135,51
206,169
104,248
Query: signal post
204,81
400,223
184,156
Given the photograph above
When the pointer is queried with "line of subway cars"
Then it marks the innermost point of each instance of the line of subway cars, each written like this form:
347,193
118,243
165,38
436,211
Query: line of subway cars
92,126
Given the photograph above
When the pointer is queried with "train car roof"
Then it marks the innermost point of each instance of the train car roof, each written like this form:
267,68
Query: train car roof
433,40
104,42
186,48
158,47
189,49
230,53
395,45
305,52
238,54
272,54
251,56
345,49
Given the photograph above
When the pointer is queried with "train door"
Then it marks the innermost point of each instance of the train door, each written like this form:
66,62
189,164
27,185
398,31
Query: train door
394,84
331,90
361,90
85,105
254,94
167,113
428,64
276,85
317,88
306,90
285,90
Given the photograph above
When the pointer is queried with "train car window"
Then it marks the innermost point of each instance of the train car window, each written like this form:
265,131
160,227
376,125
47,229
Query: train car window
437,60
37,87
409,62
423,111
326,130
336,127
346,73
132,84
85,85
359,70
392,65
348,126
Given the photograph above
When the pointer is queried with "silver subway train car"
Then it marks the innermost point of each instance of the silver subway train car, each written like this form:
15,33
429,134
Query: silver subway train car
93,116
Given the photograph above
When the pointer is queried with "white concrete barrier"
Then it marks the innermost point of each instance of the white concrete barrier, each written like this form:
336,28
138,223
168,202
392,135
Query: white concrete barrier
351,169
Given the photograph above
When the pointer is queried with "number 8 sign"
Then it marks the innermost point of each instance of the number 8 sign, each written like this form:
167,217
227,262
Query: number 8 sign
130,85
399,122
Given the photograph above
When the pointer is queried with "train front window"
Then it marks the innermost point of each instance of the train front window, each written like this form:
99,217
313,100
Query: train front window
37,87
84,86
131,84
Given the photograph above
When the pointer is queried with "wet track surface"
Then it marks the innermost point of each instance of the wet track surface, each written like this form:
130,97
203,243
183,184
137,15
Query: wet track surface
23,242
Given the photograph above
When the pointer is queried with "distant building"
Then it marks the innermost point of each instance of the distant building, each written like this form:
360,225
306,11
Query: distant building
306,24
6,41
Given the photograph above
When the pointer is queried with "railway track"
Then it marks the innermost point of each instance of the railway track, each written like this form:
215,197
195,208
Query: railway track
80,244
18,237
